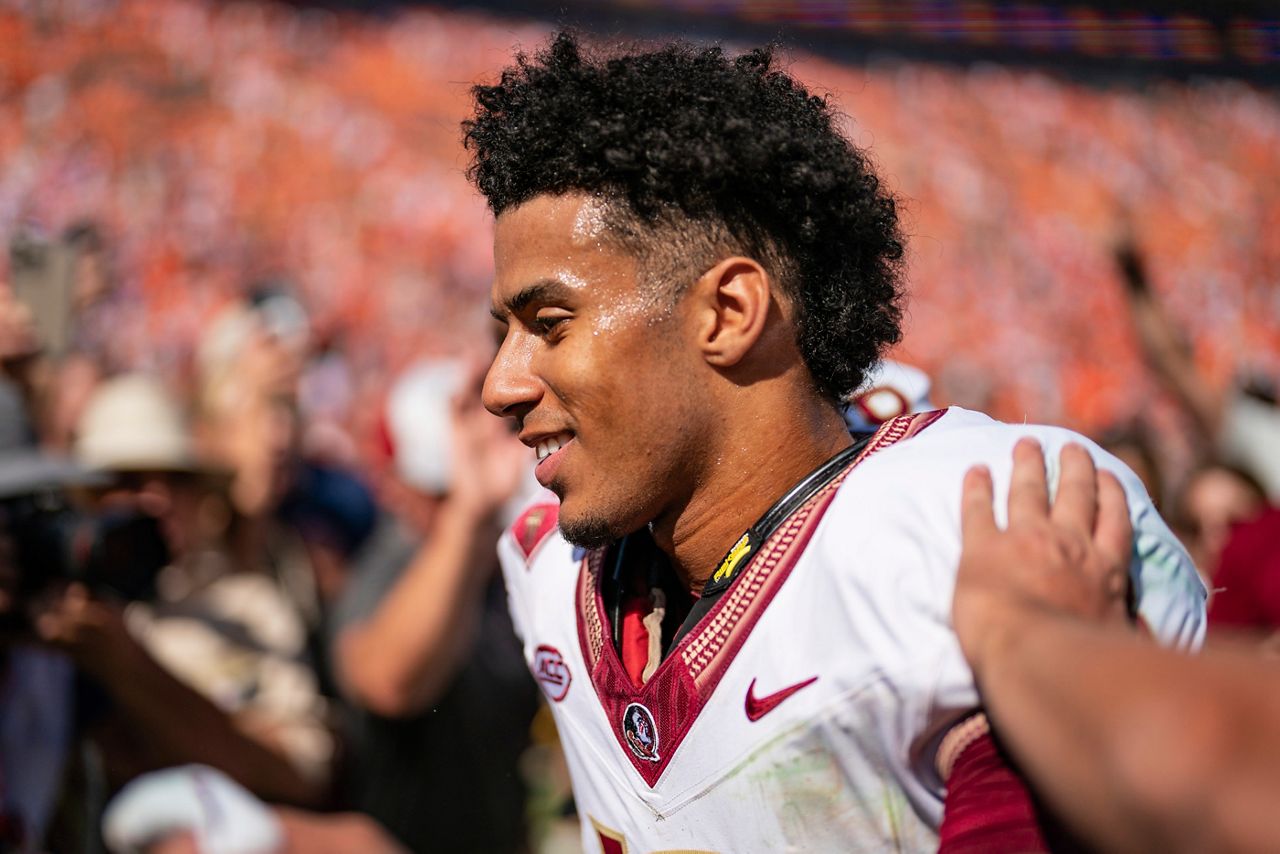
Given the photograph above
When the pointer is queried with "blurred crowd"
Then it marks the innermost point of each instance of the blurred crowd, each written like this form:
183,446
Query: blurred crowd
184,585
213,144
242,324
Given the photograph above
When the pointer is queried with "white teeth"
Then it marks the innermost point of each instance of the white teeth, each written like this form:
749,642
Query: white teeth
547,447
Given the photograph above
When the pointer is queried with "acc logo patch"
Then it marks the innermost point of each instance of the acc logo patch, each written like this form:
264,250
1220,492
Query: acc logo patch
640,732
551,672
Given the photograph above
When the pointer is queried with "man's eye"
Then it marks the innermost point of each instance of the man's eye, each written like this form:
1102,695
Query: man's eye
545,323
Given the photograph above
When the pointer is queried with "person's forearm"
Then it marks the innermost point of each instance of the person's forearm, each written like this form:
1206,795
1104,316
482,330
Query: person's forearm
1173,364
399,660
184,726
1139,748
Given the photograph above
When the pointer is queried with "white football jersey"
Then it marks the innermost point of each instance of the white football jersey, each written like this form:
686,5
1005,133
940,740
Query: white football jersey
804,711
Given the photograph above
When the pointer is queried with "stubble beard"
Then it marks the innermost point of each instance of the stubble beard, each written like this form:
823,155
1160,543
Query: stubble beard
590,531
605,520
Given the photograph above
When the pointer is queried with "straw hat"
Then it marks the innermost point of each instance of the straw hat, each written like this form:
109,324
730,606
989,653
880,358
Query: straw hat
132,423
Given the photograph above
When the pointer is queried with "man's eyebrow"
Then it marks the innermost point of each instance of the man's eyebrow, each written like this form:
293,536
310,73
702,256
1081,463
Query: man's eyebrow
547,289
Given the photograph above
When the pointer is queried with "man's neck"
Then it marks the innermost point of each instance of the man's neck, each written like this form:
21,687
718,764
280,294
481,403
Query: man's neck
745,483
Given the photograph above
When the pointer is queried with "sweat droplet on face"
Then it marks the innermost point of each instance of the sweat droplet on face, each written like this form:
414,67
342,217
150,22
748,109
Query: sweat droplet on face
635,307
589,225
589,234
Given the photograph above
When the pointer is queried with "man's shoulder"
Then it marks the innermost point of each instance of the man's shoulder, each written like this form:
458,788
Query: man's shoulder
904,496
907,497
926,469
974,437
936,456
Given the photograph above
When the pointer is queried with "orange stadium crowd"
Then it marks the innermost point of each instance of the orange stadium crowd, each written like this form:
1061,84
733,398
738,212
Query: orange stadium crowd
215,144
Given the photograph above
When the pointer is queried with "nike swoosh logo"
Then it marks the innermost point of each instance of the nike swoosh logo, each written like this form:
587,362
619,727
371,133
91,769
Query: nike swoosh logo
758,707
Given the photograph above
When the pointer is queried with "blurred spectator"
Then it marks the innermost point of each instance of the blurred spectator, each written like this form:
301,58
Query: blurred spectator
248,364
204,663
1248,580
298,521
36,684
1239,424
66,288
1214,499
1134,446
423,641
1237,434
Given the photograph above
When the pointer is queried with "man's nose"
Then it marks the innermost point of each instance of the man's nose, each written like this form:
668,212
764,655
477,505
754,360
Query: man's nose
510,387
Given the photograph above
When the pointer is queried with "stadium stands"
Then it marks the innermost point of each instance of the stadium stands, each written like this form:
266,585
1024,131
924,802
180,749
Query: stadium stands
219,143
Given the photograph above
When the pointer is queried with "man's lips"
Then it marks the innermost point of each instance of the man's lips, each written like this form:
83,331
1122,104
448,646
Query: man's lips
550,452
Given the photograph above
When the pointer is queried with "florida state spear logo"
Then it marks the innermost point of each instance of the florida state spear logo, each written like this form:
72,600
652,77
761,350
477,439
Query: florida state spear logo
640,732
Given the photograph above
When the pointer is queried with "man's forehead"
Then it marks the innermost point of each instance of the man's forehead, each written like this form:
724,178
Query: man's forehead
555,246
576,220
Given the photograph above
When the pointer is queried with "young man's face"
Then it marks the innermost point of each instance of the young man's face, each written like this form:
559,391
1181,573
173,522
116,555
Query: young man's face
597,364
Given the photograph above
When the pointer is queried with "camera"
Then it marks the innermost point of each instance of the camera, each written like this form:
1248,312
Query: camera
116,553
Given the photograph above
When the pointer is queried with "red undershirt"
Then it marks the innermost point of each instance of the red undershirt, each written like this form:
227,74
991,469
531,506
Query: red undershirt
988,808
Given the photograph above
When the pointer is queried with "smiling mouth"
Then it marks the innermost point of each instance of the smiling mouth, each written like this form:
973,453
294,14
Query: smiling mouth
550,445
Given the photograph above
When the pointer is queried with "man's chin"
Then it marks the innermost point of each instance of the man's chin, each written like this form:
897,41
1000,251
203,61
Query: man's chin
588,527
587,531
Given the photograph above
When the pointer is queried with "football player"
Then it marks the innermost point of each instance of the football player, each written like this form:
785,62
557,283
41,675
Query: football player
739,614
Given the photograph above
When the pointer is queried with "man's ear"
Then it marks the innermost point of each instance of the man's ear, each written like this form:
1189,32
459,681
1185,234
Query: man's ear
731,302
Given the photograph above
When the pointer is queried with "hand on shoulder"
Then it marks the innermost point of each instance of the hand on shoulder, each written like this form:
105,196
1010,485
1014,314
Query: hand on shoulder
1069,557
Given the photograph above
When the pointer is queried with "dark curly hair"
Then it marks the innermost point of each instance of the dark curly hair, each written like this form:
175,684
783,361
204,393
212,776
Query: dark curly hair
695,156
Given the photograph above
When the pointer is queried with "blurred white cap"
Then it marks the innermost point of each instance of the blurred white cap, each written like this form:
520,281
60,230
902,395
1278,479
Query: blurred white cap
221,814
419,420
889,390
132,423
